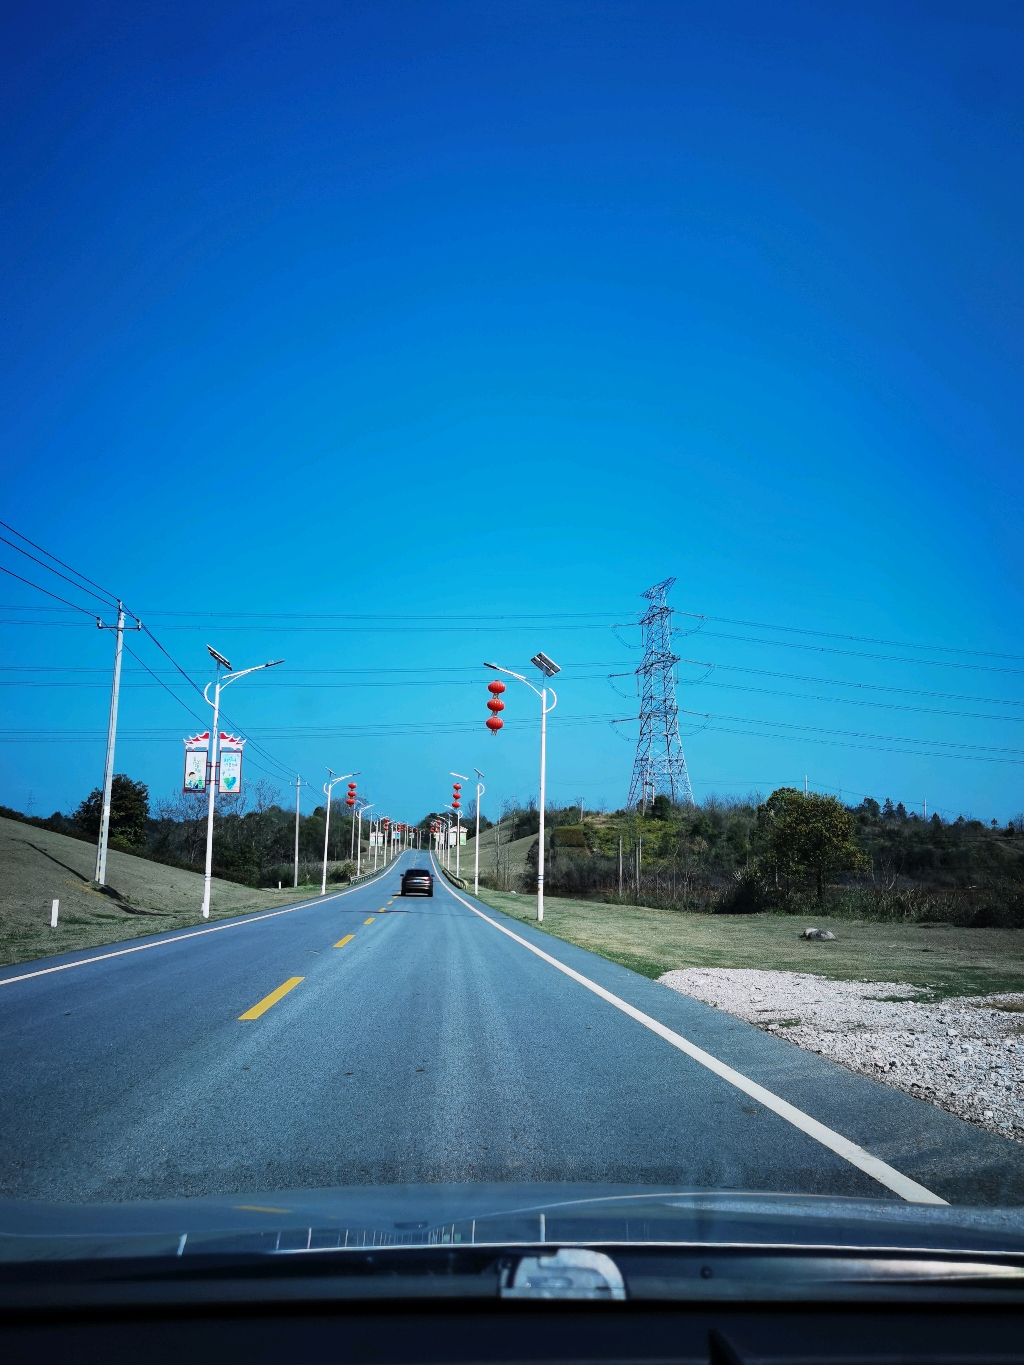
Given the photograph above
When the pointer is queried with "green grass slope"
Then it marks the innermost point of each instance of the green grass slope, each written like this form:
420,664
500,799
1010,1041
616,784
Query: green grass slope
38,866
946,959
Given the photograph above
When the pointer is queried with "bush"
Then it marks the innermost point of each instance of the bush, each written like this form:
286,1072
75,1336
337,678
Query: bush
569,836
746,896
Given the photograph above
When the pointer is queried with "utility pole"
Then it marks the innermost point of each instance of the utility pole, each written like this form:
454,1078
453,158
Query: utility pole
480,789
805,784
620,867
298,784
108,771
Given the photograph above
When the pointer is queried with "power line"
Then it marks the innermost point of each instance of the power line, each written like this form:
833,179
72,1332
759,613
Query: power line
22,536
164,685
859,639
862,701
270,758
874,748
20,551
856,734
74,607
860,654
841,682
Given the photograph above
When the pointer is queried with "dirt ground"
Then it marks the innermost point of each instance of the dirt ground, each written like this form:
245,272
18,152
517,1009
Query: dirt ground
38,866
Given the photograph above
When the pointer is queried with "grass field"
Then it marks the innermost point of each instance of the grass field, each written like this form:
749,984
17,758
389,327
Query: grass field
944,958
38,866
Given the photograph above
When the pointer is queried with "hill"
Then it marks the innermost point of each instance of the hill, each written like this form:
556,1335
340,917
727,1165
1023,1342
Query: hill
142,897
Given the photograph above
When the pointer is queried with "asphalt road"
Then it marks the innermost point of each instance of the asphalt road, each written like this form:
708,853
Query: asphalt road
418,1042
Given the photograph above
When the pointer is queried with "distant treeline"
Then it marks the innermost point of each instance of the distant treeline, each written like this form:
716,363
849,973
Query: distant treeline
253,837
792,853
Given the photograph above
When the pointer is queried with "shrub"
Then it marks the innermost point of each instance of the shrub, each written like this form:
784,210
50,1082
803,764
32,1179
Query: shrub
569,836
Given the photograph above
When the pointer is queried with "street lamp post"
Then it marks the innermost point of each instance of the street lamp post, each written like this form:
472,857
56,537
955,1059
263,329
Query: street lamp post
329,786
458,825
549,669
359,840
213,776
444,840
458,831
480,789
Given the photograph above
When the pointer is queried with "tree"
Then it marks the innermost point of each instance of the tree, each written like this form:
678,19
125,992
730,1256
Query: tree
129,811
661,807
182,828
800,837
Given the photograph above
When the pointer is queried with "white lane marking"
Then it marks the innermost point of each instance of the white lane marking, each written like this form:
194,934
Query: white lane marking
886,1175
192,933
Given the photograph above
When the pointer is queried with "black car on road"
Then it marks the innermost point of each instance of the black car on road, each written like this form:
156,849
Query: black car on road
417,882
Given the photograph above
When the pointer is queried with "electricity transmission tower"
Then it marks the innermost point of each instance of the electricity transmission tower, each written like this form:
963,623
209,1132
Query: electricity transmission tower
660,766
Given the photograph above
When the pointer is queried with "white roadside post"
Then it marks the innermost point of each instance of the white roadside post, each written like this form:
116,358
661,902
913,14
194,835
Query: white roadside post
54,908
108,769
329,786
549,669
480,789
213,777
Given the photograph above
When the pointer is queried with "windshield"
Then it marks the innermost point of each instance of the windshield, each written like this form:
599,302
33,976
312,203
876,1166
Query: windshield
629,849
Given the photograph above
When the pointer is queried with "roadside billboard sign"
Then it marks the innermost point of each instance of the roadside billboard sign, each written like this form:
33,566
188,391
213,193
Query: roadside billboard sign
229,781
197,756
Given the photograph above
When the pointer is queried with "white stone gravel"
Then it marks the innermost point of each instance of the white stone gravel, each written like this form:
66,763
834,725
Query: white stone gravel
964,1055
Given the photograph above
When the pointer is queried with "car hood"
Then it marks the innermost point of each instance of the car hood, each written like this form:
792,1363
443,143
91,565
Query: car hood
489,1215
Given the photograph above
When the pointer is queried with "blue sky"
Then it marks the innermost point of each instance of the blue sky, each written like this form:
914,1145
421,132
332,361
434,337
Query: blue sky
325,322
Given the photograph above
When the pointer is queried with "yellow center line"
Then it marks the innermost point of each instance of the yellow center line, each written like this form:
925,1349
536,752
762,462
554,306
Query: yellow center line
370,920
272,998
342,941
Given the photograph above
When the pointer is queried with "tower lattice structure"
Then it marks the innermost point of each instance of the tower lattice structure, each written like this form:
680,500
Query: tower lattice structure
660,766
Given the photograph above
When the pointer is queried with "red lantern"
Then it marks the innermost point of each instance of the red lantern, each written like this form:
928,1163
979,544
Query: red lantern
495,705
350,800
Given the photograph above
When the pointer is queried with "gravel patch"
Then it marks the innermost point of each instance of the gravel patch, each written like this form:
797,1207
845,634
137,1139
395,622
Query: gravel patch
964,1055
